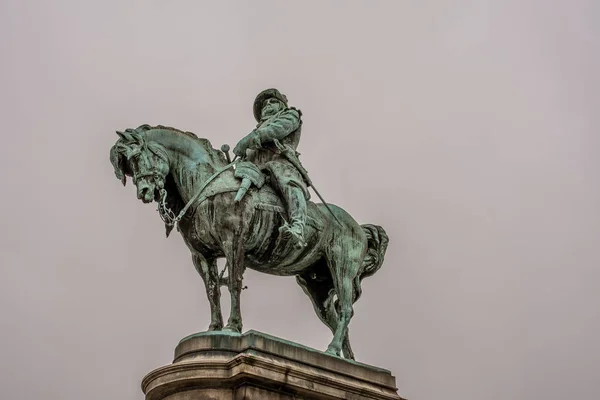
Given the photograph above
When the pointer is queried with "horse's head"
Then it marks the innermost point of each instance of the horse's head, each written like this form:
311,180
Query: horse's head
145,161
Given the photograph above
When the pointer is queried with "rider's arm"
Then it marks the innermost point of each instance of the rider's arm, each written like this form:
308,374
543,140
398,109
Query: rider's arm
278,128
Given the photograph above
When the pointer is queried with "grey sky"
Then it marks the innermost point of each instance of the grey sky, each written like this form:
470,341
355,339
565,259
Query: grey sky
468,130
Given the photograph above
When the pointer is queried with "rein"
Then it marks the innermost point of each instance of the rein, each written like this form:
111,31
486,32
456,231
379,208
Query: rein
167,215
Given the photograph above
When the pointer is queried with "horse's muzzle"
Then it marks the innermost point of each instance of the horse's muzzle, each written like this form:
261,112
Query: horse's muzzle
145,193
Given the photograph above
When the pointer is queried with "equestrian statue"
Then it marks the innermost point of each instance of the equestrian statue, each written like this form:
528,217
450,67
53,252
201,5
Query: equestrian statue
254,211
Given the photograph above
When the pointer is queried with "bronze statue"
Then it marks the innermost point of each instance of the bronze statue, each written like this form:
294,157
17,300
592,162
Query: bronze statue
253,211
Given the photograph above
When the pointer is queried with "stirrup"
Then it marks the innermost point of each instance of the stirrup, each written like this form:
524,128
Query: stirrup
287,232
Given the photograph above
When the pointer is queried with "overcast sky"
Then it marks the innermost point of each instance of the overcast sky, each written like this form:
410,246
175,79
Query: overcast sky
468,129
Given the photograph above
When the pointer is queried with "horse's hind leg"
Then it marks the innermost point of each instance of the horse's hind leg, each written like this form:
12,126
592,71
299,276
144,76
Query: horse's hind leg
346,348
322,295
344,289
210,275
344,265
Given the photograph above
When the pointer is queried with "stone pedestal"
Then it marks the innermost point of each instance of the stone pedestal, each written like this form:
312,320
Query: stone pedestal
252,366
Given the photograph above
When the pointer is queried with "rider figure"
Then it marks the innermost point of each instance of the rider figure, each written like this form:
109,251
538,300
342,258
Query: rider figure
278,122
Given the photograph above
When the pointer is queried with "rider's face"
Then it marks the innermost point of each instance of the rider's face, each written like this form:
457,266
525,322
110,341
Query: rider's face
271,106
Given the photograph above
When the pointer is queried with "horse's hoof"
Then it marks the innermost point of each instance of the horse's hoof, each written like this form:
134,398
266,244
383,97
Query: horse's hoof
331,350
215,327
230,328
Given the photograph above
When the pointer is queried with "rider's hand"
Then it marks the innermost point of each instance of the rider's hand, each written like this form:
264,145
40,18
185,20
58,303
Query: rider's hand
250,141
254,140
241,147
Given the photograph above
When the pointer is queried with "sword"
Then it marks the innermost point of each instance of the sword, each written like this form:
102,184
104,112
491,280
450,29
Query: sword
290,154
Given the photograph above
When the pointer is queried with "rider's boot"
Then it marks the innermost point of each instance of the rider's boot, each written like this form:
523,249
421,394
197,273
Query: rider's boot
294,230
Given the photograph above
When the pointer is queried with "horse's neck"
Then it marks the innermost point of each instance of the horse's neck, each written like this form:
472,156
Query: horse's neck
188,175
190,163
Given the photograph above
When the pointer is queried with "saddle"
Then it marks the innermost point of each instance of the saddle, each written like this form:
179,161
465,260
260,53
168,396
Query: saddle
270,200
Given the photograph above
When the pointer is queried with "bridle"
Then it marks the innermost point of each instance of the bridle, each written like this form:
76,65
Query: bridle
164,211
153,171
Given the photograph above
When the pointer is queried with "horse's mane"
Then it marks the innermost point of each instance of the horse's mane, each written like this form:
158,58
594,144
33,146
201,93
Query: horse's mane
203,142
130,136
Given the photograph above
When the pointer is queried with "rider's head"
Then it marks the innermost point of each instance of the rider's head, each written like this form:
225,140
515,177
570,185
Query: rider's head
268,102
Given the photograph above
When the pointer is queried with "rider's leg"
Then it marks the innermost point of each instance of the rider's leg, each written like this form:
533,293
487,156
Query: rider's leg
297,214
289,183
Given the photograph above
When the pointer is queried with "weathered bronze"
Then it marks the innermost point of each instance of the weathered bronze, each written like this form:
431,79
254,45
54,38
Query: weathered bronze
254,212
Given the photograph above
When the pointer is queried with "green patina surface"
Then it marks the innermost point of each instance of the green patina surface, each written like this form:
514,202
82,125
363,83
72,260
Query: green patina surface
255,211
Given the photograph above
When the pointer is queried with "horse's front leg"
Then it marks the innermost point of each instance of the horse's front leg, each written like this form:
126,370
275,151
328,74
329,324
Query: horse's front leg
234,252
210,275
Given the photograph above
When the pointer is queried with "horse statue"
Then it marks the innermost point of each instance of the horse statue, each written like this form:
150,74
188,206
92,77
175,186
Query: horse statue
191,179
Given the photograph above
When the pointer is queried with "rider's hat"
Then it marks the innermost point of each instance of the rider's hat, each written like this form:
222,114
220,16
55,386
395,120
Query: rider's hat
264,95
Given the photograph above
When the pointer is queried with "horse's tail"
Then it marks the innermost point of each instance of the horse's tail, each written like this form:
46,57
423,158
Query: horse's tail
377,242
